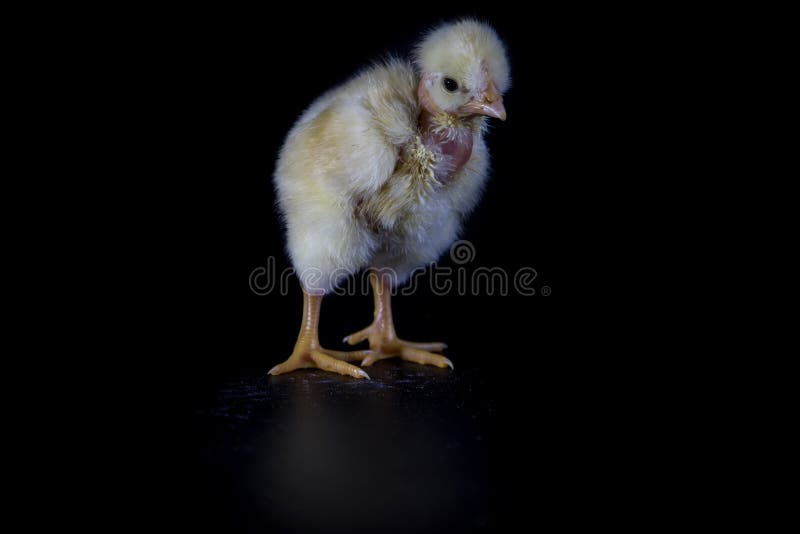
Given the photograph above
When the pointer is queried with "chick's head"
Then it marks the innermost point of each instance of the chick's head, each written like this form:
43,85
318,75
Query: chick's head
463,69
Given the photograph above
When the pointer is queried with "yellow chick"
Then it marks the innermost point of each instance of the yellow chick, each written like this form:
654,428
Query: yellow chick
379,174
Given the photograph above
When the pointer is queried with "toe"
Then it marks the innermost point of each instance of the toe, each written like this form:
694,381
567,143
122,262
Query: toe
347,356
358,337
329,363
423,357
432,346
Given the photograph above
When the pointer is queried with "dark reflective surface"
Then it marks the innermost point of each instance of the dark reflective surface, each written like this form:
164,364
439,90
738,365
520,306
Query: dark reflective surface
312,451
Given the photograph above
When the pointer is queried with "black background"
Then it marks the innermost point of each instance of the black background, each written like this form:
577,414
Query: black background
218,93
228,88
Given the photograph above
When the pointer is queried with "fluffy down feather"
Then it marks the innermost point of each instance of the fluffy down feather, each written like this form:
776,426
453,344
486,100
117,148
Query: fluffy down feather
453,48
356,186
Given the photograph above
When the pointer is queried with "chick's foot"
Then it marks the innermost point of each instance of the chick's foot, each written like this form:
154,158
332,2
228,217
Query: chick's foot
308,353
385,344
383,340
305,356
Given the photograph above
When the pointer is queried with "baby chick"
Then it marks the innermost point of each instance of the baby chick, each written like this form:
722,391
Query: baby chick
379,173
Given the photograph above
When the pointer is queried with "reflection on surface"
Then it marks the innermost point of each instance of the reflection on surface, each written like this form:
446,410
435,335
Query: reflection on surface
312,450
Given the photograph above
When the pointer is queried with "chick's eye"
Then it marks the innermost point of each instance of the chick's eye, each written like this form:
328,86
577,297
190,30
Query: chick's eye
450,84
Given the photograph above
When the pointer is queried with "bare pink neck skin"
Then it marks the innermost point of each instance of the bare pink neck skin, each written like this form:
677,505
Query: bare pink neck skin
451,143
454,145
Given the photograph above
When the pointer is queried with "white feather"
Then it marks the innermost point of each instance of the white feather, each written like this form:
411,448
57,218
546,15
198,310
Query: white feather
344,154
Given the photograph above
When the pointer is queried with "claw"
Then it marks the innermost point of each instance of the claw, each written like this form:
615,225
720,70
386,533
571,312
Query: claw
362,374
272,371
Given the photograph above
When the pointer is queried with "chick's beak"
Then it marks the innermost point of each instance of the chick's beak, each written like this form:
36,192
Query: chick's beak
490,103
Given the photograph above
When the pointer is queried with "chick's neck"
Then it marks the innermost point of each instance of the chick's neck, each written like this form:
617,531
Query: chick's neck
450,137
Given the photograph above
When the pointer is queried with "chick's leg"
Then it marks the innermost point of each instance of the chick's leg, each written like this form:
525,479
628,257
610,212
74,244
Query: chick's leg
382,338
308,352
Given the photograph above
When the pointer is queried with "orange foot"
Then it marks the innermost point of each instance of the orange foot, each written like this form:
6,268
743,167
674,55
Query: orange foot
385,344
383,341
306,356
308,353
